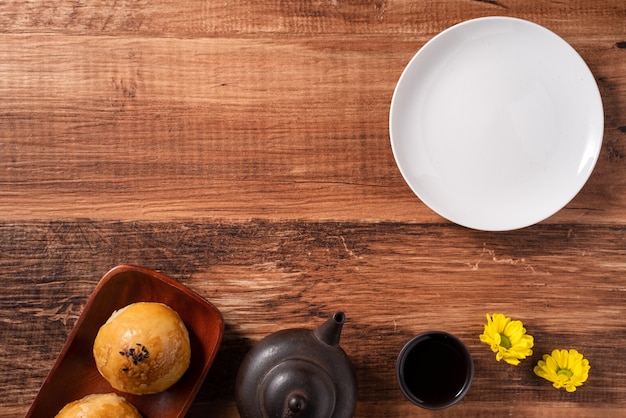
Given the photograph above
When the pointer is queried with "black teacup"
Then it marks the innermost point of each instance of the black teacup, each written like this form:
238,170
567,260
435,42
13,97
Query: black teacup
434,370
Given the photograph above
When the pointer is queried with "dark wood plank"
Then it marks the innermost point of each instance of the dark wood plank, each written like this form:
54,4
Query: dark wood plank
392,280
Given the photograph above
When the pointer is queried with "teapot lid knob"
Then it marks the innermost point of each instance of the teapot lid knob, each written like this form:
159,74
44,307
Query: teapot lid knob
297,388
297,404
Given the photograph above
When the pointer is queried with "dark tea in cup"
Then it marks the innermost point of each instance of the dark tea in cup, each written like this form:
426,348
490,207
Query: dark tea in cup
434,370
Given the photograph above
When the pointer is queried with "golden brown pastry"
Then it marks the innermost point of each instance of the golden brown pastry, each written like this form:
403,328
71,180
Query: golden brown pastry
143,348
102,405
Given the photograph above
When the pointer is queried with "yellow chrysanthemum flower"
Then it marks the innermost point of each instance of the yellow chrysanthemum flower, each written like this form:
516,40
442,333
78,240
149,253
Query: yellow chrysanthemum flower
507,338
565,369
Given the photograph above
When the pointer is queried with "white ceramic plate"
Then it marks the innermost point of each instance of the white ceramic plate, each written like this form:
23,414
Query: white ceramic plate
496,123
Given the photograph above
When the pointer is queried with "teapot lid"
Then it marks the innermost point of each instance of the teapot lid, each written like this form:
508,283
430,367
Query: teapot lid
298,373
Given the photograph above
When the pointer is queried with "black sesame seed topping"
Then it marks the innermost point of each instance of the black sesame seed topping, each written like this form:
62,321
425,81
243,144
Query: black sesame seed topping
135,355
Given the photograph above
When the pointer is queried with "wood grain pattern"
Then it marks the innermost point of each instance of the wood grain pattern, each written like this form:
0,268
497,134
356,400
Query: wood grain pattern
392,281
105,120
242,148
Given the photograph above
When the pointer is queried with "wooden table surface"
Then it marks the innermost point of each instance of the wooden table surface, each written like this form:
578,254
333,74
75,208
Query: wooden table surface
242,148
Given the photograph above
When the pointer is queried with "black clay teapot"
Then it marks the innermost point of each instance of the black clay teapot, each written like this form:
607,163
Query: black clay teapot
298,373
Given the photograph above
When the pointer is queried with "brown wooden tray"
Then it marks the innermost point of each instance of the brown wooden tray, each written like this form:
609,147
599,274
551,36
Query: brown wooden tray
74,373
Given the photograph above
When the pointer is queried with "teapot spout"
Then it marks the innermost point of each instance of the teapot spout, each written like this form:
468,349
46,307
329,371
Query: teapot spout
330,331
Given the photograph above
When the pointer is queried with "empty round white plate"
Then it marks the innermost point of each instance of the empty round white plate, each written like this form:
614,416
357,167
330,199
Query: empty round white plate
496,123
